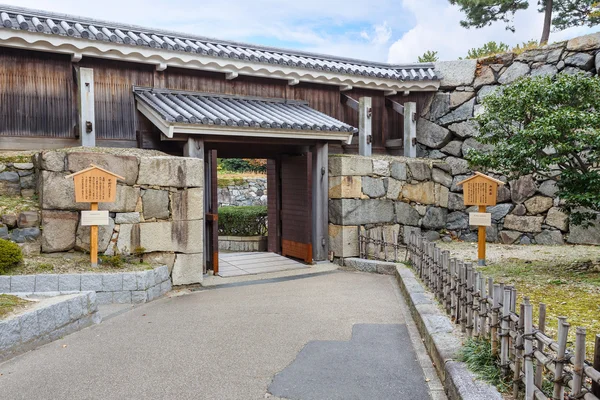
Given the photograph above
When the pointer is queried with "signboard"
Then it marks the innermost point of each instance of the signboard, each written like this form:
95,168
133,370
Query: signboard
89,218
480,219
480,192
95,186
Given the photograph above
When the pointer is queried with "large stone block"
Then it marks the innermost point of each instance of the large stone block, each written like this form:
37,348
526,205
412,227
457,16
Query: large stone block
373,187
464,129
514,72
58,193
125,243
457,221
454,148
522,188
188,269
472,144
456,73
188,204
46,283
509,237
126,200
419,171
343,240
104,234
171,171
155,236
59,230
155,204
22,283
584,43
406,214
458,98
486,77
557,219
456,201
538,204
423,192
160,257
127,218
523,224
28,219
360,212
340,165
548,188
550,238
126,166
499,211
381,167
441,195
439,106
187,236
9,184
435,218
394,187
441,177
52,161
462,113
432,135
458,166
398,171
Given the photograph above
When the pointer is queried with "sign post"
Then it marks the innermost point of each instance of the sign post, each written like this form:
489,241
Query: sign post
94,185
482,191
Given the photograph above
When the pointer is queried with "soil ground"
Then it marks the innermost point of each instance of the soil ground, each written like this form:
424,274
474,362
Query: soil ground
565,278
10,304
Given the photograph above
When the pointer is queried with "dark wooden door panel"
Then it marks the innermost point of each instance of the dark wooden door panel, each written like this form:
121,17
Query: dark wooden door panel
296,206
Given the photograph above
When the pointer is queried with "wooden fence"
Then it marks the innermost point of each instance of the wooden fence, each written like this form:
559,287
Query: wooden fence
376,244
530,358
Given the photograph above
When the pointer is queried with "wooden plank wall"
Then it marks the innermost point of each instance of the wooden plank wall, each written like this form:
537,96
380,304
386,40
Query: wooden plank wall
37,97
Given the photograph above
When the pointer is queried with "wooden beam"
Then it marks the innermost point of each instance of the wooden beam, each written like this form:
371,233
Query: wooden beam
320,191
410,129
85,97
194,147
365,122
399,108
349,101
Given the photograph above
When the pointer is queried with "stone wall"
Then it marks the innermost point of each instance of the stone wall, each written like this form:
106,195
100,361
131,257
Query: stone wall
159,208
385,195
529,210
242,192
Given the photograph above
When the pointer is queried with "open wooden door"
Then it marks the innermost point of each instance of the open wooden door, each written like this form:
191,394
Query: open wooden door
296,207
212,213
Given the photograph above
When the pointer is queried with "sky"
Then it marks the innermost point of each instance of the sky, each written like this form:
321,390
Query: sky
394,31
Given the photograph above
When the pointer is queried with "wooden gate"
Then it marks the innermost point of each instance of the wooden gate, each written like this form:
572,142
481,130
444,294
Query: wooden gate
296,207
212,213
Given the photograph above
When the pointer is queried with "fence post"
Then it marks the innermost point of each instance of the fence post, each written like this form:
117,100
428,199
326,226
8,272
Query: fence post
578,375
518,352
453,288
596,365
463,296
563,330
540,345
469,303
482,306
528,356
505,331
476,294
495,310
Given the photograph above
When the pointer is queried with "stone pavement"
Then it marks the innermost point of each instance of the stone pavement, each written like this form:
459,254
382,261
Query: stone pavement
235,342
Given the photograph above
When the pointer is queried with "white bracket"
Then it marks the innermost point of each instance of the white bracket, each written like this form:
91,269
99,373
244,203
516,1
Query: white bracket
231,75
161,67
76,57
345,88
390,92
293,81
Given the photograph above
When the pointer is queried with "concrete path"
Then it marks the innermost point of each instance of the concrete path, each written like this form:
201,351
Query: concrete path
249,263
235,342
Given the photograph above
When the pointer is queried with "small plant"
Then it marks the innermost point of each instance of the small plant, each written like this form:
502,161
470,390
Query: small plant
115,261
8,303
10,256
45,267
477,354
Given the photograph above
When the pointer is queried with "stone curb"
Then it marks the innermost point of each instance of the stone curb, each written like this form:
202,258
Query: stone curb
120,287
441,343
380,267
51,320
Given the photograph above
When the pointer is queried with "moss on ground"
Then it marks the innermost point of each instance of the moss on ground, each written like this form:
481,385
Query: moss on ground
10,304
16,204
15,158
66,263
567,289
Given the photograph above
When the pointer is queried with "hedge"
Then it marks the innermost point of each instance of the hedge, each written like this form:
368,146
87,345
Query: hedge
243,221
10,256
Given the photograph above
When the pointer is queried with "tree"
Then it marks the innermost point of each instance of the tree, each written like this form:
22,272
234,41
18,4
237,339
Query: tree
428,56
566,13
487,49
549,128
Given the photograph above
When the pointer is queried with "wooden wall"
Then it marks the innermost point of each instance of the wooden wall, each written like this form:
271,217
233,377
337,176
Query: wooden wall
38,98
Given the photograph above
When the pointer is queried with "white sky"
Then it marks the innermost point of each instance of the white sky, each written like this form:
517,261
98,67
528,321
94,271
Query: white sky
386,30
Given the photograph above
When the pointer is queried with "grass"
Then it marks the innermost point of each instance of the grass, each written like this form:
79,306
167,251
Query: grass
568,289
16,204
477,354
9,304
228,178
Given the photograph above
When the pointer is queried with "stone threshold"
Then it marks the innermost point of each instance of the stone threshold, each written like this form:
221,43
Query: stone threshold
52,318
117,287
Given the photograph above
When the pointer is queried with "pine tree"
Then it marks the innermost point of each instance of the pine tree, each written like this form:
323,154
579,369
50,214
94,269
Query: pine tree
428,56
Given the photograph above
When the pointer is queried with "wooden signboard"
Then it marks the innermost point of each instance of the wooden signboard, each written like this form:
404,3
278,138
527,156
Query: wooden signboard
480,190
95,185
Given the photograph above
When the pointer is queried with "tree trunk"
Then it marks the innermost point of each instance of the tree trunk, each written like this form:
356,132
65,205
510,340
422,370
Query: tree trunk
547,23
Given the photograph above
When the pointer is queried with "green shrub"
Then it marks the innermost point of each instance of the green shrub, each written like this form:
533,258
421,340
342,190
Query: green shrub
115,261
243,220
10,256
477,354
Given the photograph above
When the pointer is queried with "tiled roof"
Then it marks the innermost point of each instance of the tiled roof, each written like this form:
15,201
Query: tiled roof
210,109
120,34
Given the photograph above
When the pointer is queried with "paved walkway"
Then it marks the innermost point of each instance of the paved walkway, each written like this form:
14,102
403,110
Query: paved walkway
237,264
339,335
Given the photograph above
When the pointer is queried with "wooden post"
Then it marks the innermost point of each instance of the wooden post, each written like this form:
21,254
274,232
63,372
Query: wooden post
320,189
540,345
469,302
410,129
578,375
528,356
596,365
495,310
505,331
94,239
365,121
563,330
481,241
518,352
85,97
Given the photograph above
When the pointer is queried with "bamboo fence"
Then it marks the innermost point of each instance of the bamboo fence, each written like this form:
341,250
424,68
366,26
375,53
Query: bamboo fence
539,366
